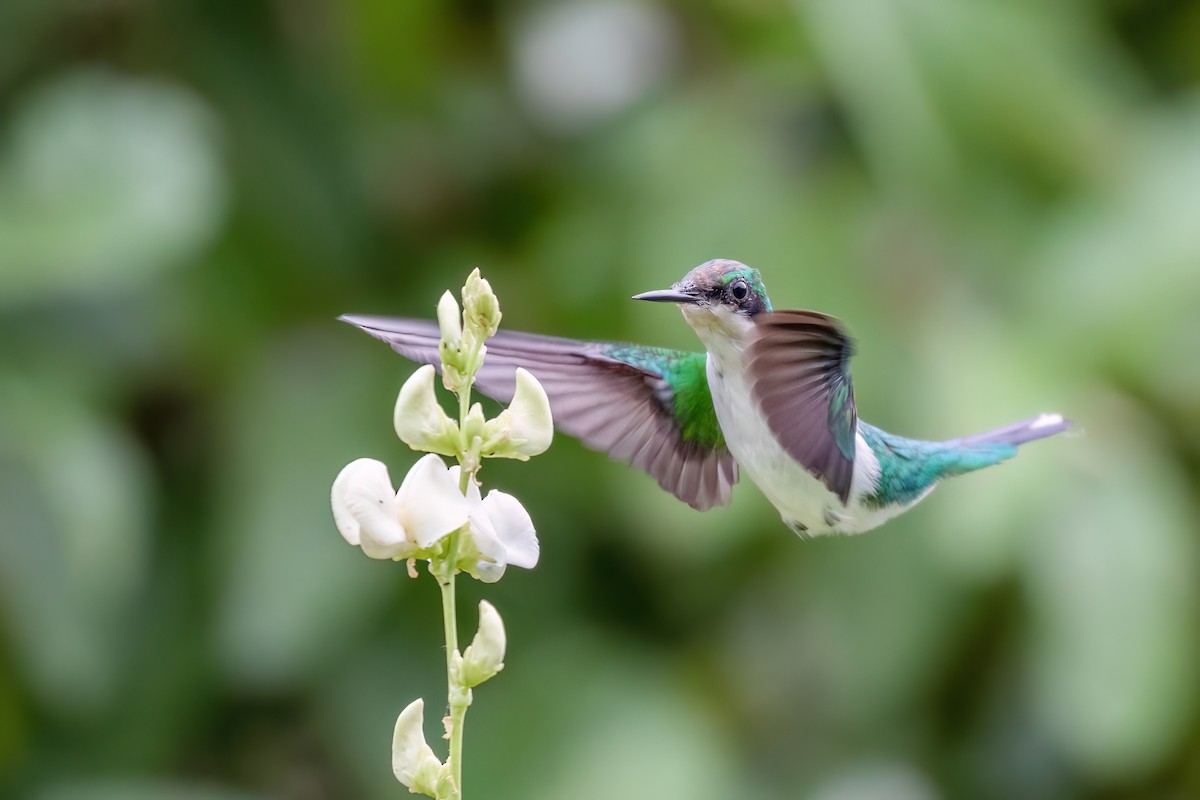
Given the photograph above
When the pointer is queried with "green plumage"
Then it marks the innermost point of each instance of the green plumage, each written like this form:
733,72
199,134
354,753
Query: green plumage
842,414
686,378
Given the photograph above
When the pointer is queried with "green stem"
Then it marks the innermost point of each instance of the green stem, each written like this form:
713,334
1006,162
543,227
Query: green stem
458,697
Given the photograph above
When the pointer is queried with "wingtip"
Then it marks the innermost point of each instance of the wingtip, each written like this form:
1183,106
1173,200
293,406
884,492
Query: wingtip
362,321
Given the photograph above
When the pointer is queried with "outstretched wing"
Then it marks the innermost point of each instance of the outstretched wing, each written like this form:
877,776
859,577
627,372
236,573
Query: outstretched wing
649,407
798,369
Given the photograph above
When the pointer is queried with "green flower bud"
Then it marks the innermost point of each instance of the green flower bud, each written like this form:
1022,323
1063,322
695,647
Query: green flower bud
484,657
476,425
481,308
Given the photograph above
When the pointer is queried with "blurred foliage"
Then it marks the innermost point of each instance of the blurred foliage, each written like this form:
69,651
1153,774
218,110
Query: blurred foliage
1000,199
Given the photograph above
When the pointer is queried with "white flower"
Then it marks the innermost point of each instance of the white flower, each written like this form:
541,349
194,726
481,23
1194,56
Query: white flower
397,525
413,761
502,533
525,428
484,657
420,421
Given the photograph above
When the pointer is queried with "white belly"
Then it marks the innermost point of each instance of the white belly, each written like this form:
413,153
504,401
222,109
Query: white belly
804,502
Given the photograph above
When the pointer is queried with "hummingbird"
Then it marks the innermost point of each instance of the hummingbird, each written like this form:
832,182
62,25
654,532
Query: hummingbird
771,395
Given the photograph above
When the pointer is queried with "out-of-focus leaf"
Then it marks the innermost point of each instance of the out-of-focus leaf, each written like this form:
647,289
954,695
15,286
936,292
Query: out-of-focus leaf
293,592
1059,81
749,188
577,64
872,65
922,84
1111,583
390,46
979,522
656,523
105,180
630,729
839,636
76,498
23,27
137,789
876,780
1118,266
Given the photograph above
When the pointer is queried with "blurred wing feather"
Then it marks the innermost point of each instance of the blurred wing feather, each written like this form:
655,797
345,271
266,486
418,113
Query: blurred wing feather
798,368
614,406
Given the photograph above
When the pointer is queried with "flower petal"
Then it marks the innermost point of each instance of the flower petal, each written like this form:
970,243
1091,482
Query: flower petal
480,553
413,761
531,420
473,496
513,527
364,509
429,503
419,419
485,571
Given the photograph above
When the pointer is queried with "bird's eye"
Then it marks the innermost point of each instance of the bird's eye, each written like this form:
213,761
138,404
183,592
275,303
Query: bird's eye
739,290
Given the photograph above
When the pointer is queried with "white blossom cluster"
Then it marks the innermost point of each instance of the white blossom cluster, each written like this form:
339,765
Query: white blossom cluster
440,515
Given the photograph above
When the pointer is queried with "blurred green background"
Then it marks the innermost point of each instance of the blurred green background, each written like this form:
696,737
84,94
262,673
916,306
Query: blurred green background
1001,200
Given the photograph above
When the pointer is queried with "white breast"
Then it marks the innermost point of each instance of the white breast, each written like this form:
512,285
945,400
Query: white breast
804,502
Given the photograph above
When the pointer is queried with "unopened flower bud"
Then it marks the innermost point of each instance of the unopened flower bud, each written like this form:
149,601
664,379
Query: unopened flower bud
420,421
452,348
481,308
452,377
413,761
449,321
484,657
476,424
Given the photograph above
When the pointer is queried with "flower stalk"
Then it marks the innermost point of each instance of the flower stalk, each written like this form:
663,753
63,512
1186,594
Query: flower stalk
440,515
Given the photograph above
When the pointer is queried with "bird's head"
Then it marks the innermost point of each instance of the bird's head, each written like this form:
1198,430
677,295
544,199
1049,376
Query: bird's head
719,297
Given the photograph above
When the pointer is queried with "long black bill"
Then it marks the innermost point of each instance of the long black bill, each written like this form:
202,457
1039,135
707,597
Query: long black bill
667,296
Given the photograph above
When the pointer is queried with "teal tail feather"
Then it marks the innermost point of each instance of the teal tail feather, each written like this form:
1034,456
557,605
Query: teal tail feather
993,446
908,468
1027,430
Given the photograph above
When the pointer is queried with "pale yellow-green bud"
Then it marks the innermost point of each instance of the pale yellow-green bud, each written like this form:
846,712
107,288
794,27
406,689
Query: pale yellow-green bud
453,347
476,423
420,421
485,655
452,378
481,309
474,430
413,761
449,321
479,352
525,428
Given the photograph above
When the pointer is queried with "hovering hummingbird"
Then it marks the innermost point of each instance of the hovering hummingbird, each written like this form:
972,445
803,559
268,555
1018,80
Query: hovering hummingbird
772,396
